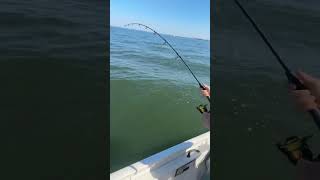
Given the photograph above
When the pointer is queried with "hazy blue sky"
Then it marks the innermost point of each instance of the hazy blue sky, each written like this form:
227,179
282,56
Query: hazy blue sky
188,18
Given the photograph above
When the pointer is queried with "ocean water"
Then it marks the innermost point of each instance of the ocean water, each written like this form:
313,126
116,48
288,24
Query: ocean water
53,89
253,110
152,95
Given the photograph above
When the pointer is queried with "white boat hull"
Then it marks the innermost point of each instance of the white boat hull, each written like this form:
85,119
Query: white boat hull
172,163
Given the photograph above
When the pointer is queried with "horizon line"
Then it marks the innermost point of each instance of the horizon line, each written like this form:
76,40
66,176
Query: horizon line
161,33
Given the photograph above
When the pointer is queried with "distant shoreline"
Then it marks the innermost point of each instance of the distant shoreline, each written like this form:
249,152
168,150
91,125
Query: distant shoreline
162,33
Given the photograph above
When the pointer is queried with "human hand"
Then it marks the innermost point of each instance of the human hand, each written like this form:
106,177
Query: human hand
206,91
309,98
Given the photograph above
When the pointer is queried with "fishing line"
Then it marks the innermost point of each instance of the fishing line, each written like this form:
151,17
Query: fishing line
315,113
178,55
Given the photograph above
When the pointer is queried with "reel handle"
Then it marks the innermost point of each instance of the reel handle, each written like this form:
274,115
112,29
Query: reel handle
315,113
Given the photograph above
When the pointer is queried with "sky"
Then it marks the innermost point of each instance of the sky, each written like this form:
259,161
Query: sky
187,18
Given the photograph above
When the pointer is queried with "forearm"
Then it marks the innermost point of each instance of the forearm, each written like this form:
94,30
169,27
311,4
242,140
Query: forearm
206,119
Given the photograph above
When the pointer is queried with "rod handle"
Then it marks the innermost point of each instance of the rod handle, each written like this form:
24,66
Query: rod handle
294,80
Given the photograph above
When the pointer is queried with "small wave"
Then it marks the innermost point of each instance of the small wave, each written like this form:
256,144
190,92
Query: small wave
18,19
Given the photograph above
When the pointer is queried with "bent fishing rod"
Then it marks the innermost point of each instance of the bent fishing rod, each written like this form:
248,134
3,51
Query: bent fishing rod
315,113
178,55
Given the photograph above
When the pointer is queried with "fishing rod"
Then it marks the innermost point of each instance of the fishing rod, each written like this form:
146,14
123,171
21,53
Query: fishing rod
178,55
315,113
